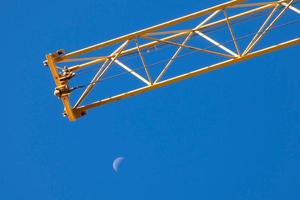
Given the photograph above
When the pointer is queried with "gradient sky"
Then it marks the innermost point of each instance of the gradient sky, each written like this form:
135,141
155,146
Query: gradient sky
229,134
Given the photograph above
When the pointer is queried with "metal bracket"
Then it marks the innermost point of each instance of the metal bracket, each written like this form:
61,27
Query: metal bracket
67,75
62,91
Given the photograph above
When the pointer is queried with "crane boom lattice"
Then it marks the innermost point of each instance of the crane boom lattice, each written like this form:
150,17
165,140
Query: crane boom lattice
157,56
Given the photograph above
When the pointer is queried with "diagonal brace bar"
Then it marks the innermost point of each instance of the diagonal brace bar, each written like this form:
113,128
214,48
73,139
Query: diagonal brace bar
101,72
216,43
260,30
232,33
143,61
132,72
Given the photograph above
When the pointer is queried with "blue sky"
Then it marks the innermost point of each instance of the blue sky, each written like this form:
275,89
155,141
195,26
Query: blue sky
229,134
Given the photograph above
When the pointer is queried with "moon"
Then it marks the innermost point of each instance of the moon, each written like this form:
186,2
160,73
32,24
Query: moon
116,163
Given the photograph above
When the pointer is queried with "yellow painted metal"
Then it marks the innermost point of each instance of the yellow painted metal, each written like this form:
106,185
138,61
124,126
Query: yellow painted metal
76,111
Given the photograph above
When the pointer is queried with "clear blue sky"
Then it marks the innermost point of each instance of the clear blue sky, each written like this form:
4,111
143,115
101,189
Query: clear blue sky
230,134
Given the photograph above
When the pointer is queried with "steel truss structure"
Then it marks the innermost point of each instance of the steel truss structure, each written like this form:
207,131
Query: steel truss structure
139,42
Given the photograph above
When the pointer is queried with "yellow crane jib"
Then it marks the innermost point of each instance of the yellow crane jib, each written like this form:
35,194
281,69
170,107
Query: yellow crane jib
105,57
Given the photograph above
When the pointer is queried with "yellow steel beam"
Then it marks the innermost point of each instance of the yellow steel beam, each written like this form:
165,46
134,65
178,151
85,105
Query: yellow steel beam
152,29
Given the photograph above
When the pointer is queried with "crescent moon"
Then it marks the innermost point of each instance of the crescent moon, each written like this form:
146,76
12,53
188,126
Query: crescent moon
116,163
